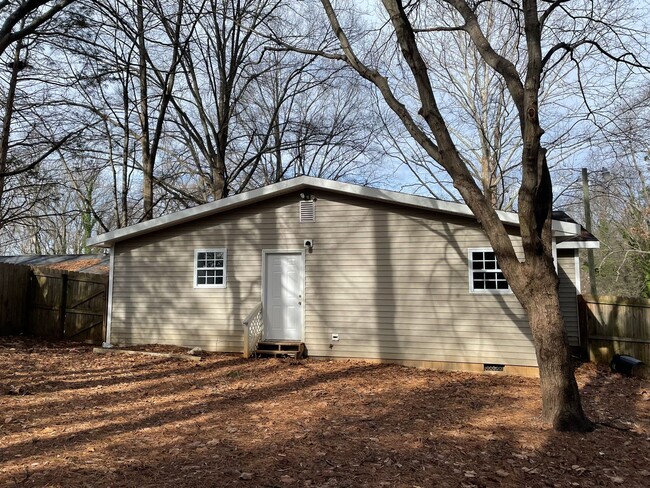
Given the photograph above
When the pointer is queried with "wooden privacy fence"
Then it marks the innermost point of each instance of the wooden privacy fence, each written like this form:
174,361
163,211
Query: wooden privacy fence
53,303
615,325
14,289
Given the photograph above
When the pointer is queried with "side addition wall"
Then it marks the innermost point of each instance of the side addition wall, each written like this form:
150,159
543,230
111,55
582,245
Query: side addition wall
569,289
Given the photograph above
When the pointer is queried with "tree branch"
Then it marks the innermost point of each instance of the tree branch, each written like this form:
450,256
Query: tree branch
570,47
381,83
26,8
547,13
500,64
55,147
441,29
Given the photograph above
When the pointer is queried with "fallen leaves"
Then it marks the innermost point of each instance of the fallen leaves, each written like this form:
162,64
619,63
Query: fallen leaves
148,421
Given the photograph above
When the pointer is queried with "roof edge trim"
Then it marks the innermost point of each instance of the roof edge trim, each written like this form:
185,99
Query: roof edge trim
287,186
579,245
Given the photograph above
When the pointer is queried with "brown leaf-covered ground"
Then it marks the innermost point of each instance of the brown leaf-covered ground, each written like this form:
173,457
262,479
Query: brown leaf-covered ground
69,417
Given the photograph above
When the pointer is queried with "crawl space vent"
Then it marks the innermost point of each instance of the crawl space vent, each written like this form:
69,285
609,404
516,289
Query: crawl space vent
307,211
493,367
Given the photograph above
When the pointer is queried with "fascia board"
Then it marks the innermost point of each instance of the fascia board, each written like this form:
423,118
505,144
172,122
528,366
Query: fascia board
579,245
287,186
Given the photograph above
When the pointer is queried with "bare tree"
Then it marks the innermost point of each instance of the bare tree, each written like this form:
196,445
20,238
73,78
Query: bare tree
32,86
481,116
248,115
533,280
23,18
134,60
321,122
619,188
624,195
179,102
221,65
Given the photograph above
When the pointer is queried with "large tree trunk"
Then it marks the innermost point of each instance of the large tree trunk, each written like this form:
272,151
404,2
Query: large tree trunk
147,160
219,186
561,404
538,293
218,169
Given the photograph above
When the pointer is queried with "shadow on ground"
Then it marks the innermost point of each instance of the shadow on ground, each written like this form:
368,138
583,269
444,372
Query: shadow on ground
81,419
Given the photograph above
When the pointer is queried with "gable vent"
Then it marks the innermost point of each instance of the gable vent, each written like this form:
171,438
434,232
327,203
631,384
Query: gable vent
307,211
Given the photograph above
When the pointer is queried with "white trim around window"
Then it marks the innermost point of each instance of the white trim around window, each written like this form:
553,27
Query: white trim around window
485,276
210,266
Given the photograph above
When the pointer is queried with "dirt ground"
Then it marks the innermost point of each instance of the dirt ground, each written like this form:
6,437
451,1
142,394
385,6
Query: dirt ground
69,417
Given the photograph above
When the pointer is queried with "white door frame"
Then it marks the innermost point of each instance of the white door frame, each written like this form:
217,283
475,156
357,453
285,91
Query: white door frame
301,252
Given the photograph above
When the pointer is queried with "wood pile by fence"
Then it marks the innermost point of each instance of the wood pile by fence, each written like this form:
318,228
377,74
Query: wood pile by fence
615,325
52,303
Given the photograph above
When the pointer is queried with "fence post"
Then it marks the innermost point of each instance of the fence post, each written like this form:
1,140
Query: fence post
63,304
106,312
27,312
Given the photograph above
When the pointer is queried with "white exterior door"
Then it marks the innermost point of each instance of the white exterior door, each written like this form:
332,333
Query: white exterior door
283,295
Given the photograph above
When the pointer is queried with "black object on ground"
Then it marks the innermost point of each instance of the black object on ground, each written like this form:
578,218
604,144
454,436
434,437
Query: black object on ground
624,364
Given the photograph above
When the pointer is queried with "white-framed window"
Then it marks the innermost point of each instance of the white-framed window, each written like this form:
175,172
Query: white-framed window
485,275
210,268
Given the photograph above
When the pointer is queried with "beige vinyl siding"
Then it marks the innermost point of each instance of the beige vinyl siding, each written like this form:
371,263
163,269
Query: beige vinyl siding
392,281
568,293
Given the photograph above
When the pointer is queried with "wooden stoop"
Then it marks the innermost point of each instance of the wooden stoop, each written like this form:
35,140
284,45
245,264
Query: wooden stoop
293,349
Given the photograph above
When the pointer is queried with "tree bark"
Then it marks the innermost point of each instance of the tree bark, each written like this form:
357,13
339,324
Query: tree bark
218,171
147,160
561,406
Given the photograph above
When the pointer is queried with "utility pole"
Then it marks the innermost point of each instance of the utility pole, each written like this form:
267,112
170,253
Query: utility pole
590,252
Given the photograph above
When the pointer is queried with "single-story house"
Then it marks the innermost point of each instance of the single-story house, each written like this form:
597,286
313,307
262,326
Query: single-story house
349,271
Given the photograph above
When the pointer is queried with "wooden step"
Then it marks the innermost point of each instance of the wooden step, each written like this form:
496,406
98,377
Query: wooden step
294,349
280,345
263,353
